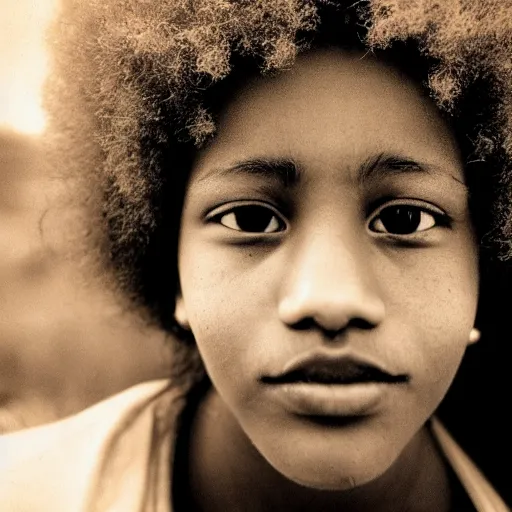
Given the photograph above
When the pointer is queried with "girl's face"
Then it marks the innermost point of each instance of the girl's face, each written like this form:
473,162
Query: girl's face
328,266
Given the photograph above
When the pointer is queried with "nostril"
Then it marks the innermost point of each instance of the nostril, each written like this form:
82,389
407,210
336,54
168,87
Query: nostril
305,324
311,323
361,323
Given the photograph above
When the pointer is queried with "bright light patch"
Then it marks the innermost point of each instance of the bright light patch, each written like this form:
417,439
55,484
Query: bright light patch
21,108
23,63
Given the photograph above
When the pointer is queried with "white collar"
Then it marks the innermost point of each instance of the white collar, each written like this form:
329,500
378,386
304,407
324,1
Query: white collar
482,494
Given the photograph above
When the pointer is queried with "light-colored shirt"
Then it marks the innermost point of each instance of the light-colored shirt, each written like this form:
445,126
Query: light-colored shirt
116,457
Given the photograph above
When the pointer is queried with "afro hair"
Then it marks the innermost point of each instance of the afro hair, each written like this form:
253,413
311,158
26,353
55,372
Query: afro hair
130,77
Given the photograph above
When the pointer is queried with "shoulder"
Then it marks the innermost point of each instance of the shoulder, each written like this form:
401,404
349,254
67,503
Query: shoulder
60,466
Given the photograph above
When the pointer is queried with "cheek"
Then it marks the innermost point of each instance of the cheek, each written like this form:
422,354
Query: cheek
222,306
449,291
438,286
438,313
225,286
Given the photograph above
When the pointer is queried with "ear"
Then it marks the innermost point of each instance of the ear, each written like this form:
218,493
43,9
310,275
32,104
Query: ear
180,313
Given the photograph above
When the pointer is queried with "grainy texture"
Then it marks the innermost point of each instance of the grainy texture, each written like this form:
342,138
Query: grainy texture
129,77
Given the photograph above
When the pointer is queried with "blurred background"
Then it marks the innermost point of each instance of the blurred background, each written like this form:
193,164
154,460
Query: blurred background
64,343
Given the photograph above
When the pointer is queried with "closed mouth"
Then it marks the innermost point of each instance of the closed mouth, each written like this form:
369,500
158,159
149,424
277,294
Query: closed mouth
335,371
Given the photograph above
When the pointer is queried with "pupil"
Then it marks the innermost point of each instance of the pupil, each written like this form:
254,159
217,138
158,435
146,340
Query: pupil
253,219
401,220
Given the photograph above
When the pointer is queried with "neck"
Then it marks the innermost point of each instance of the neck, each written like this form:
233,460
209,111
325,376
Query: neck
226,472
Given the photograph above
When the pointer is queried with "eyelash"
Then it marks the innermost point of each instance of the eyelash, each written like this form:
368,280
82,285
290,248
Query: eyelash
422,212
216,216
426,212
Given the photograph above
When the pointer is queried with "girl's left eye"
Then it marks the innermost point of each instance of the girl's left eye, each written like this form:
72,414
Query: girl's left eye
251,218
404,219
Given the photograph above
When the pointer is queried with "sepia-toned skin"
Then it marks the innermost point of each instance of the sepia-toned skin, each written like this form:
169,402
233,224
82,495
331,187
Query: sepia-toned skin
325,277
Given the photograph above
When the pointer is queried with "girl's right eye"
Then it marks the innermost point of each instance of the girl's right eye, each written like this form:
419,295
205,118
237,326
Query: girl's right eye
251,218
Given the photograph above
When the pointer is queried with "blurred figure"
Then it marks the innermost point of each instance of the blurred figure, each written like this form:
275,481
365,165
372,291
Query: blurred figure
64,345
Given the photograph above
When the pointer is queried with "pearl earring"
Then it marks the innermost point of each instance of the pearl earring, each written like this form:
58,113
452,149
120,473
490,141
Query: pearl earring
474,335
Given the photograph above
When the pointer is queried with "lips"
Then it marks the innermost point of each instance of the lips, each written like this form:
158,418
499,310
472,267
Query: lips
332,370
323,385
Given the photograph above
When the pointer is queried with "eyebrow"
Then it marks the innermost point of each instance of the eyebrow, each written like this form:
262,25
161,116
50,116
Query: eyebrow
285,170
288,172
386,163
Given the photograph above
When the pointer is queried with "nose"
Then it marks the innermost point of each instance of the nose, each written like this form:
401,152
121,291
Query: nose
331,282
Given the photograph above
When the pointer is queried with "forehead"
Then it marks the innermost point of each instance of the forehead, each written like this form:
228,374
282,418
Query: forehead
332,108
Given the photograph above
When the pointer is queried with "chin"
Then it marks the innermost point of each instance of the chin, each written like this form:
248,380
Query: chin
341,474
337,483
332,480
